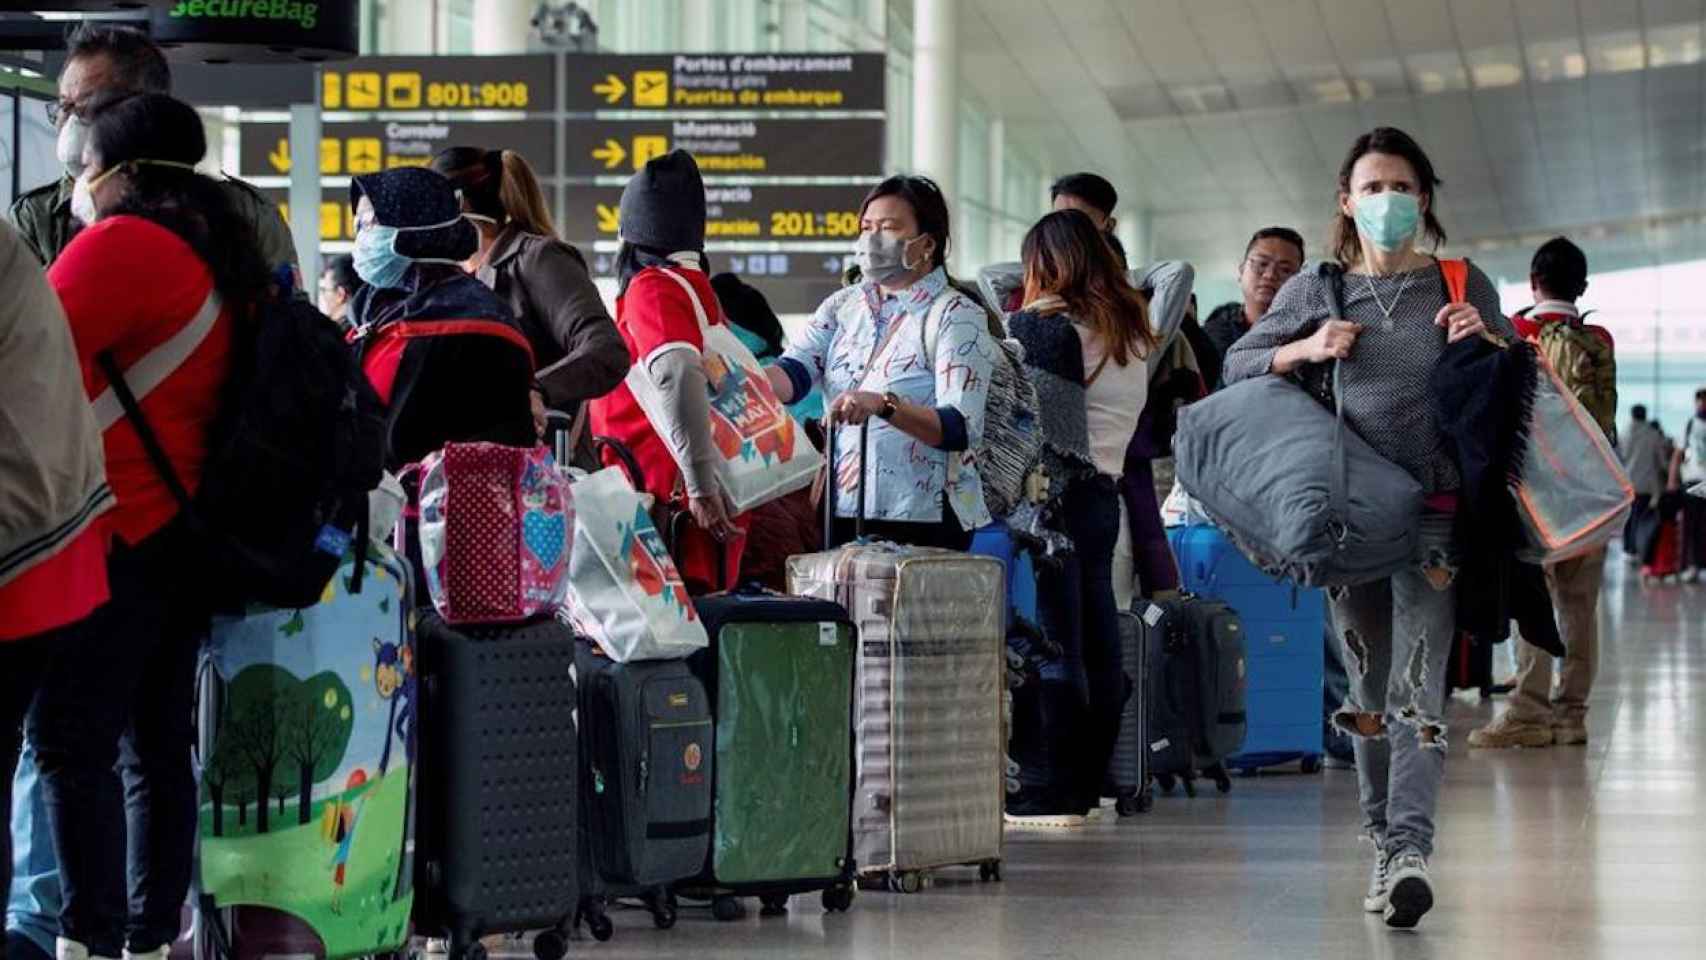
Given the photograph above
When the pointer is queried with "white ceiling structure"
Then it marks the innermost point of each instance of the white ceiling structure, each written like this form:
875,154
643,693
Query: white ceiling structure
1216,117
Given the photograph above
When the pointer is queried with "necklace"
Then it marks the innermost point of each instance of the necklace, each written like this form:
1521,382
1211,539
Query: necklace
1388,325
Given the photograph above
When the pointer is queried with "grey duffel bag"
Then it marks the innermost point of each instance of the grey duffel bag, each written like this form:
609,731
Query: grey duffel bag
1293,486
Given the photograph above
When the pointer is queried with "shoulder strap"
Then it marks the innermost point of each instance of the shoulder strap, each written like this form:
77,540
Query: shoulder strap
693,297
1096,374
932,327
158,364
1338,487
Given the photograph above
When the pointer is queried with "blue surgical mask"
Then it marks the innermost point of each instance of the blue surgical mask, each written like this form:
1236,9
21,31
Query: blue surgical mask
1388,219
376,261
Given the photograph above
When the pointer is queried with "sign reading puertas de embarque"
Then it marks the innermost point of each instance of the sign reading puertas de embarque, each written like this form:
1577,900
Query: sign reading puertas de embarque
683,81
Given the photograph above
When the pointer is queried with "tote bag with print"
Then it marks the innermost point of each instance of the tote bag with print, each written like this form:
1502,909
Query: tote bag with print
624,590
762,453
1574,496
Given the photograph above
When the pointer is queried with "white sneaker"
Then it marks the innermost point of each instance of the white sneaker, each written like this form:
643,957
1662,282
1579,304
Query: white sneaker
1410,894
64,949
1375,900
1691,575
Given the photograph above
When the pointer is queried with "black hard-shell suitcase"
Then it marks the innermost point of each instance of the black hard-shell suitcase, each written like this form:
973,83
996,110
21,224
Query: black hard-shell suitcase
499,758
649,750
1195,649
779,672
1128,766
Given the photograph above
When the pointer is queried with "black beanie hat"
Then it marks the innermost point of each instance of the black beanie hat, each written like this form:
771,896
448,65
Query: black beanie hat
663,206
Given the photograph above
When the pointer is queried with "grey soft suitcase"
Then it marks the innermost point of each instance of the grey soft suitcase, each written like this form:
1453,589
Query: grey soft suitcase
646,733
1128,766
497,845
929,734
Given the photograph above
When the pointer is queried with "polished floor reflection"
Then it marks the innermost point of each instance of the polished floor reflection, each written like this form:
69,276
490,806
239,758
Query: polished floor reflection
1558,853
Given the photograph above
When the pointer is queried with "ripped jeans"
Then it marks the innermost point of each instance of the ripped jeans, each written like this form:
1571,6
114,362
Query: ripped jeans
1396,635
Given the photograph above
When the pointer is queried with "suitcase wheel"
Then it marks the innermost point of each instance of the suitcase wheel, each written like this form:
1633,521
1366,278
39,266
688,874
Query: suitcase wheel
1311,764
1132,804
989,870
553,945
838,899
1166,782
727,909
1190,787
909,882
773,906
665,910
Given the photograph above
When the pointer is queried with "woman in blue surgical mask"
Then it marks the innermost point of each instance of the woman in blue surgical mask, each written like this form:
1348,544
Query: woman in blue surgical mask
907,355
1395,633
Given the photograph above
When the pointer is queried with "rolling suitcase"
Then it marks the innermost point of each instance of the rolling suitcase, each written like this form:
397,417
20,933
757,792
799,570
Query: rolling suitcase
649,754
1195,652
306,752
499,827
779,672
1128,766
929,733
1285,627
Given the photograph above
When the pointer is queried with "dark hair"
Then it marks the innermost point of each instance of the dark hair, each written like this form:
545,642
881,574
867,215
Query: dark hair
928,205
1700,394
1638,412
1283,234
498,184
129,131
342,269
1088,187
1347,246
138,64
1066,256
1560,268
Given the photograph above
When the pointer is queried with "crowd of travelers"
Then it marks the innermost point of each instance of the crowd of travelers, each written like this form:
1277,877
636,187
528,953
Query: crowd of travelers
458,270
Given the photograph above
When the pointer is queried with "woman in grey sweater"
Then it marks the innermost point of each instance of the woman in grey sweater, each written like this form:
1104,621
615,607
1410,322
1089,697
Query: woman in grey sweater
1396,633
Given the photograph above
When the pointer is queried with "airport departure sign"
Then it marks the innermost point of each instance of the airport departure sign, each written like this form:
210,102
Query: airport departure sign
734,212
525,83
352,148
693,81
729,146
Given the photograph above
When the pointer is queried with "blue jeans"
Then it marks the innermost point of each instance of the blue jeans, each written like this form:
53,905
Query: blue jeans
1396,635
32,905
1077,710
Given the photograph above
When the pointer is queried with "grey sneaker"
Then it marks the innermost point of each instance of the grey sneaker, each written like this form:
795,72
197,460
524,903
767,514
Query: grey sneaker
1375,900
1410,894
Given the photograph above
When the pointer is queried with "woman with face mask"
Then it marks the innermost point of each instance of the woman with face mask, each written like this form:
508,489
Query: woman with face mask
906,355
444,353
1395,633
576,348
165,259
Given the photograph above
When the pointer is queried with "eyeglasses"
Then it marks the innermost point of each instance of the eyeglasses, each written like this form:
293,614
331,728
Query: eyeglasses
1280,269
58,111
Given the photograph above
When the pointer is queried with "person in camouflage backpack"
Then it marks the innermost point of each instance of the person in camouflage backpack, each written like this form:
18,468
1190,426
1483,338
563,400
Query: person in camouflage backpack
1585,358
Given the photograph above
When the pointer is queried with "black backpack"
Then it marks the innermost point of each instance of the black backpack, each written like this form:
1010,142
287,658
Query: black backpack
297,446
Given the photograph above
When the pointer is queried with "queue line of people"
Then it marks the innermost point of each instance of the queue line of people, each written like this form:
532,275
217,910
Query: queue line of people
484,316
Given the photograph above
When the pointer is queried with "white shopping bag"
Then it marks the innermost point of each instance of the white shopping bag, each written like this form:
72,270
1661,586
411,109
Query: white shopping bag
1182,510
763,454
624,590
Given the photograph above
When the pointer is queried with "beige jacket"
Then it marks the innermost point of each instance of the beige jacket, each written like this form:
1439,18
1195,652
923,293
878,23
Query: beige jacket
53,480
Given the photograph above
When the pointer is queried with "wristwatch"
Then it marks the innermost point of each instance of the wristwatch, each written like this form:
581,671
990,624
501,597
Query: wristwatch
891,404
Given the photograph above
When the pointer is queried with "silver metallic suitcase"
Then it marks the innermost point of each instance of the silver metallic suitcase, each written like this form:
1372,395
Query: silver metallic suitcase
928,719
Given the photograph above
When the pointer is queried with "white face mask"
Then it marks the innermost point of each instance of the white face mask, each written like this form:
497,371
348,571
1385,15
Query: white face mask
73,137
83,201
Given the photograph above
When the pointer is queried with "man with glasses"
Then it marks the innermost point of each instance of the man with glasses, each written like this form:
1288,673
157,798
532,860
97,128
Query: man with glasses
1273,256
104,59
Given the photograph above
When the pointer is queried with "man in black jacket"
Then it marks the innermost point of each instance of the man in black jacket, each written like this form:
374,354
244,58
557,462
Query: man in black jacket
1273,256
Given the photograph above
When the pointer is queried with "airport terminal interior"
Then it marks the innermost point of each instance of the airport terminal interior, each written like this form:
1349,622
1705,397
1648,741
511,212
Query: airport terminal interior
1211,120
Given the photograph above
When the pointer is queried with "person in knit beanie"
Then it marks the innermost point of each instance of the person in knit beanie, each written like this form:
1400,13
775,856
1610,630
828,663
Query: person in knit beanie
663,290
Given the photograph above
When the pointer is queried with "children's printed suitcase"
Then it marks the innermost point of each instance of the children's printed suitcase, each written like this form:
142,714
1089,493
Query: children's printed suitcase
307,752
1285,631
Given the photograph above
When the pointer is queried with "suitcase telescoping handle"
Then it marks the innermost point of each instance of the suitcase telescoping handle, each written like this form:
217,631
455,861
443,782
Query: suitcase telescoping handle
832,482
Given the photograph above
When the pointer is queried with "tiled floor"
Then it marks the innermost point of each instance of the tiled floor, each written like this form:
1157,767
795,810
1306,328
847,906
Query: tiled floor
1562,853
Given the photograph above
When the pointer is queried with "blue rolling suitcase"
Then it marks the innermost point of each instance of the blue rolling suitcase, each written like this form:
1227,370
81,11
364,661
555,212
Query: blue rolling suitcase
1284,626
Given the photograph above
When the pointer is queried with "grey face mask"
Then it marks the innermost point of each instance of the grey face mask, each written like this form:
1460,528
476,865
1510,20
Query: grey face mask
882,257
